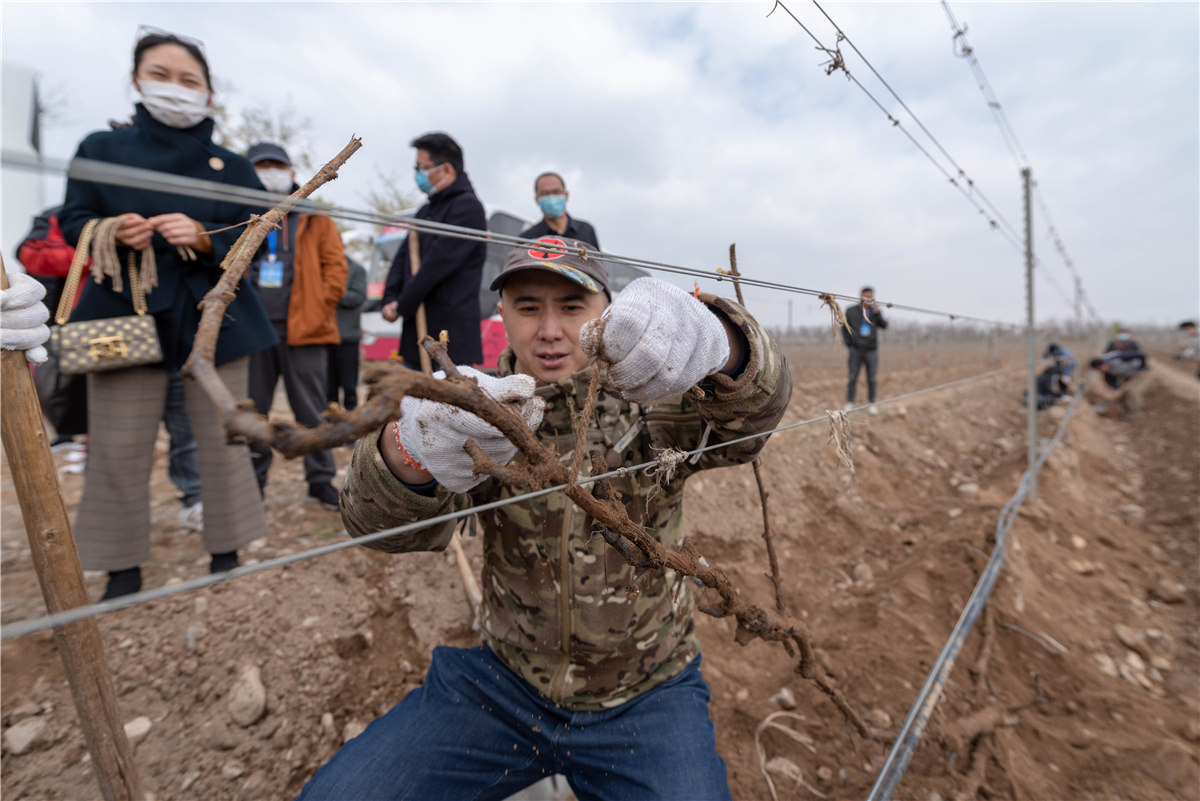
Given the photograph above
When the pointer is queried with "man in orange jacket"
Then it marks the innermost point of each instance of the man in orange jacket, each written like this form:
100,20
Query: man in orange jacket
300,279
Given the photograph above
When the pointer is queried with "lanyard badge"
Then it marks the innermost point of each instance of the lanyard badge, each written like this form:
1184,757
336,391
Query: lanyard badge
270,271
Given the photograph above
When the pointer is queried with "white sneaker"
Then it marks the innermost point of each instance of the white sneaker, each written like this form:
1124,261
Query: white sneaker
847,407
872,409
192,517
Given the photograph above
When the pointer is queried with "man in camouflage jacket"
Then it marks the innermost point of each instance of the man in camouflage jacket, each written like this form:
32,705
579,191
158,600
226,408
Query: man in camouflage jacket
572,672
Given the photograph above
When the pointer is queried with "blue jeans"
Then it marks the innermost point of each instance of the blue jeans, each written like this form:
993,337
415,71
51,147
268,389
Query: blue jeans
182,466
476,730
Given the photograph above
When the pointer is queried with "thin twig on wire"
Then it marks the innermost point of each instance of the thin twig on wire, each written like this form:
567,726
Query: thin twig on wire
836,315
253,218
763,495
835,62
839,438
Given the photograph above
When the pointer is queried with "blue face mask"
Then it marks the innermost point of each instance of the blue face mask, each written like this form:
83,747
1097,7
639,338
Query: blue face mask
423,182
553,206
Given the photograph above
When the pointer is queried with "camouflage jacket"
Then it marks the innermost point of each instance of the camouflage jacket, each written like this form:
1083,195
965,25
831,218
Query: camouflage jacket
554,606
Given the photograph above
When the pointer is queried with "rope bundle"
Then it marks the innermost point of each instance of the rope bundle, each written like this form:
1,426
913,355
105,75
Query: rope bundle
106,264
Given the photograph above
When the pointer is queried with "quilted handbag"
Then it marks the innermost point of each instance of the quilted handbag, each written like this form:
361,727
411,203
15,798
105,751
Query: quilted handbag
94,346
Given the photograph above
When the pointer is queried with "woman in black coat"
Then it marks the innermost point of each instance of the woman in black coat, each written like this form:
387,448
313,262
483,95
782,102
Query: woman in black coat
172,133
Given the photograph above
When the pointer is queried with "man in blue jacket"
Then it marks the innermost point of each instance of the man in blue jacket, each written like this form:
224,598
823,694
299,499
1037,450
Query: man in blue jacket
451,270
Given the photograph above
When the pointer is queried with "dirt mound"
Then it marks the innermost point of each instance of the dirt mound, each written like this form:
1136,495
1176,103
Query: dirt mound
1093,671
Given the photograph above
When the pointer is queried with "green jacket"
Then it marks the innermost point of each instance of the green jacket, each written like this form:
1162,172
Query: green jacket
554,606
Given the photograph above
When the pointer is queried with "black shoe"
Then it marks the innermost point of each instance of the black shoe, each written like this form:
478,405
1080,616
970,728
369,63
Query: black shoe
324,494
122,582
223,562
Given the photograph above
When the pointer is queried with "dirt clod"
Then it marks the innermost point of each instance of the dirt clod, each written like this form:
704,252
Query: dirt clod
1169,591
785,698
1173,766
28,735
188,781
1132,639
880,719
137,729
248,698
28,709
352,729
1081,737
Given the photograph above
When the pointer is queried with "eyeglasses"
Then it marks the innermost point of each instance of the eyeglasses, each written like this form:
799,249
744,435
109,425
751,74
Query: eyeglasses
428,170
149,30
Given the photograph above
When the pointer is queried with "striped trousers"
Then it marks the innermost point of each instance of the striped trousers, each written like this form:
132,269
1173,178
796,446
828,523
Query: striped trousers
112,527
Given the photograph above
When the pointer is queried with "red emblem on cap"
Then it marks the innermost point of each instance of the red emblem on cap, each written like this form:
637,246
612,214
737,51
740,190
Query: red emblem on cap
548,254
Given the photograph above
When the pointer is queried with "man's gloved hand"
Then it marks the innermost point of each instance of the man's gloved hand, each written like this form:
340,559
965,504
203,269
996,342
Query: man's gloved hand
23,317
658,339
433,434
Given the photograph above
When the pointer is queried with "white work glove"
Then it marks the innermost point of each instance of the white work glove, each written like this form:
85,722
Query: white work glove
23,317
434,433
658,339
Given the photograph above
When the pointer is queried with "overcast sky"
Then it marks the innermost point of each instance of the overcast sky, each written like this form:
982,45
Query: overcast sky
683,127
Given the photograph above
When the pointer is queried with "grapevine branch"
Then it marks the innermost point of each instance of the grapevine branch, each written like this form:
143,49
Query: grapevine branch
392,382
542,468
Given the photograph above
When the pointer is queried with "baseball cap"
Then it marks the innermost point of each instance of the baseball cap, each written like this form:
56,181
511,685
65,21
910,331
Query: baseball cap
590,272
267,150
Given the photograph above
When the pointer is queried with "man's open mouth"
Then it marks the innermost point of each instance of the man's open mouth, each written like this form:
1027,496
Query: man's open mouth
551,360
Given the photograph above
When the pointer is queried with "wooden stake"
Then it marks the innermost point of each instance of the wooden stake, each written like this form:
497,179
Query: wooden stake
58,570
474,596
414,263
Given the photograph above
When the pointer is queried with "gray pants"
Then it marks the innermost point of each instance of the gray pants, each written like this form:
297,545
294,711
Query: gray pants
112,527
859,358
304,369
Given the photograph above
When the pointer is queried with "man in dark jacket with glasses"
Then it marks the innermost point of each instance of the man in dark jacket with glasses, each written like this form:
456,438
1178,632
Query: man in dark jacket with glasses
451,269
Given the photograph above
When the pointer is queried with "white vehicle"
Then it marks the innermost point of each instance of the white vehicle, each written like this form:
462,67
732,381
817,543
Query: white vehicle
22,188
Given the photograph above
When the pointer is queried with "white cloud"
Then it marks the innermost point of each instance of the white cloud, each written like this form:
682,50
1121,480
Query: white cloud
682,128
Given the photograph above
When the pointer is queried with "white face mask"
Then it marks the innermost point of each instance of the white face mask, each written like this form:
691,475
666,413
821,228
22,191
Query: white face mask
276,179
174,105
